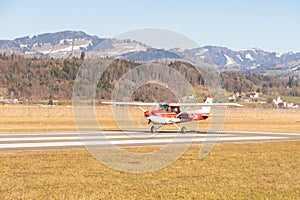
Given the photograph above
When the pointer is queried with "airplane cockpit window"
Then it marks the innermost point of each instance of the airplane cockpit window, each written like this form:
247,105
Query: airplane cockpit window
175,110
164,107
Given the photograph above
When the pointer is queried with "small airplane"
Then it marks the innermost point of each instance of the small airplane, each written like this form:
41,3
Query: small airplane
171,113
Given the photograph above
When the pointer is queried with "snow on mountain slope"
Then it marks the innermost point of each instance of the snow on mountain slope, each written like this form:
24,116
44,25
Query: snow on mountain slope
229,61
66,43
248,56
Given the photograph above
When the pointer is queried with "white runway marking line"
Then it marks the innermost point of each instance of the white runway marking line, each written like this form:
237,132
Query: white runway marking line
107,137
129,142
76,138
264,133
61,133
32,145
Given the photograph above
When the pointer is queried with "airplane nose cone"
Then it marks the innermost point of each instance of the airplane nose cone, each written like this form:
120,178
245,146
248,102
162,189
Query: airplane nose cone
147,113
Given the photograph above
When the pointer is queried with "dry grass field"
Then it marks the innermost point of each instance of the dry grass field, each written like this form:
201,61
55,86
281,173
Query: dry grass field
231,171
272,120
60,118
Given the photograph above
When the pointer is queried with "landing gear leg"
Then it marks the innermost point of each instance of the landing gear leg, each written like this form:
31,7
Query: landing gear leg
182,130
153,129
156,127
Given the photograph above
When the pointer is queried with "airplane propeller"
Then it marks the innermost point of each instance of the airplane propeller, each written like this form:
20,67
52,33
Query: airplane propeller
142,109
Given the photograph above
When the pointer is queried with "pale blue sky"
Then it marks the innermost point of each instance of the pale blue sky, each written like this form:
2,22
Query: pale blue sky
268,24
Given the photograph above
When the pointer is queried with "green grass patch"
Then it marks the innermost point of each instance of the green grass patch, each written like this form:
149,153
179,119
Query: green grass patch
291,99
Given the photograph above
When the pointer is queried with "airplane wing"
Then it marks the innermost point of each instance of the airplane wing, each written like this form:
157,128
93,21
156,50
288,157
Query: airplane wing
130,103
171,104
206,104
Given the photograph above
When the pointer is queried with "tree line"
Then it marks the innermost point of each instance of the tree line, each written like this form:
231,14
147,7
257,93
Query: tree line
36,79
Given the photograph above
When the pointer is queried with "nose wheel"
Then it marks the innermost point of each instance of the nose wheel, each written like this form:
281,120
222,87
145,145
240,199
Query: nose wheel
156,127
183,130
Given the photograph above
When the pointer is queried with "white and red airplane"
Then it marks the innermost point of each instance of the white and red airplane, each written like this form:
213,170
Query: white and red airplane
170,113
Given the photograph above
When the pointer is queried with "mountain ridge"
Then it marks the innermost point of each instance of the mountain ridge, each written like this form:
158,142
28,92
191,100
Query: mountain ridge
66,43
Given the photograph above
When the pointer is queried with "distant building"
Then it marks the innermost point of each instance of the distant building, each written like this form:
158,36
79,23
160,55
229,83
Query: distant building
277,101
292,105
189,97
249,96
253,95
10,101
283,104
232,98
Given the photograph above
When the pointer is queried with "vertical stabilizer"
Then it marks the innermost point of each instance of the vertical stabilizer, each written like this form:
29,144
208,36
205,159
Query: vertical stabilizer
209,100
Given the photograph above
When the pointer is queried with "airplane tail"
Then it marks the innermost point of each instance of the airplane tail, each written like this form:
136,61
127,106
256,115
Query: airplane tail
209,101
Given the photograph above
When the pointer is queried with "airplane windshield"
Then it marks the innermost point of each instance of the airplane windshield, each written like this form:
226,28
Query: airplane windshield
164,107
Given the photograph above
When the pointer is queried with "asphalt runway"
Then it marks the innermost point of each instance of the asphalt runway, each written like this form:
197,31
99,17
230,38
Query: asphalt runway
106,139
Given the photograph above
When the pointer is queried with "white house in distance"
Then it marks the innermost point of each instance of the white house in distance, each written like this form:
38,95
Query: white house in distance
9,101
248,96
279,102
283,104
253,95
292,105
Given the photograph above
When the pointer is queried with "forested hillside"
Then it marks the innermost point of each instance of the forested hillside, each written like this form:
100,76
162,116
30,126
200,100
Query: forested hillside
37,79
238,82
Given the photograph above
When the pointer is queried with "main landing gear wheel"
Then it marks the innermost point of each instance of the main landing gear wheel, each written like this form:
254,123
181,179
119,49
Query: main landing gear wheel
183,130
153,129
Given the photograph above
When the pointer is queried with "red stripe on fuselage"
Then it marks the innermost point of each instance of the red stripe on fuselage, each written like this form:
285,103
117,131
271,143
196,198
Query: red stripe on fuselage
163,113
183,116
194,116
